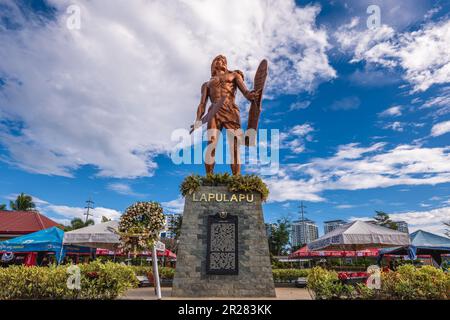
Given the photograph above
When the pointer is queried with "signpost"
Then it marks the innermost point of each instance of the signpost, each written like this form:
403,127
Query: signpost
156,273
158,246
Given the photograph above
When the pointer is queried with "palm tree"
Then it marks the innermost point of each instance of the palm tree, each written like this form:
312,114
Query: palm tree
78,223
2,206
382,219
23,202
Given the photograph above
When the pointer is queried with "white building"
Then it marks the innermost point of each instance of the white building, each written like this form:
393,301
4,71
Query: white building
332,224
303,232
169,224
402,226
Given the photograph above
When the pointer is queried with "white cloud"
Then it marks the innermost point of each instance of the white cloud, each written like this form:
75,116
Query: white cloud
396,126
174,206
124,189
347,103
298,105
68,213
110,94
430,220
36,200
440,128
393,111
294,140
345,206
357,168
424,55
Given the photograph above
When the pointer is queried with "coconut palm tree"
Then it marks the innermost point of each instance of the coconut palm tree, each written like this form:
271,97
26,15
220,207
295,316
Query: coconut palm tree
23,202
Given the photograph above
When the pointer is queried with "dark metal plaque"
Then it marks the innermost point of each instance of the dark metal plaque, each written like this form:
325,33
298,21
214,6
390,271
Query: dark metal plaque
222,248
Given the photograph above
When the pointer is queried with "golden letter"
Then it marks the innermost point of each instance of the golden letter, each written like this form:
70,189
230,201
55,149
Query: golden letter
234,198
250,197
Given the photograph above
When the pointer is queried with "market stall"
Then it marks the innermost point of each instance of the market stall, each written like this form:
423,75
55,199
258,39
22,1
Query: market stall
33,245
422,243
360,235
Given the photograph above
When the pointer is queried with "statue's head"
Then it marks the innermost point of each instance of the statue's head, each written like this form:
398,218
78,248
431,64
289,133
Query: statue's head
219,63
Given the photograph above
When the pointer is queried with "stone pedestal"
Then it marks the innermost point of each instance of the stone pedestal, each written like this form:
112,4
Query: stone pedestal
223,249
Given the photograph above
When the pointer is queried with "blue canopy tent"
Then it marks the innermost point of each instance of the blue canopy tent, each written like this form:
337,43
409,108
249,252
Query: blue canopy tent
50,239
422,243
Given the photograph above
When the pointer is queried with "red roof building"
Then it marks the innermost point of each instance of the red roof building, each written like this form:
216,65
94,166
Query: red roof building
17,223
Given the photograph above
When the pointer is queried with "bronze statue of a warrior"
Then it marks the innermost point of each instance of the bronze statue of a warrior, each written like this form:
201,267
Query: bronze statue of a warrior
223,112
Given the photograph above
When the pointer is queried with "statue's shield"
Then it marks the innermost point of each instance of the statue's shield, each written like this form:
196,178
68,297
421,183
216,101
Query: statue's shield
255,107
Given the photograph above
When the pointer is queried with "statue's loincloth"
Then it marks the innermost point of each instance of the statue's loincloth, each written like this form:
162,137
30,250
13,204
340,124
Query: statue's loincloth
227,117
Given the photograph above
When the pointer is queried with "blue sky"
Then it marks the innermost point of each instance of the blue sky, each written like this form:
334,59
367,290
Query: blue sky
363,113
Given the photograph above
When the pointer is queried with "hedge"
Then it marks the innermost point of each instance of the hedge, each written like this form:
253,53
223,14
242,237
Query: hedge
98,281
164,272
406,283
288,275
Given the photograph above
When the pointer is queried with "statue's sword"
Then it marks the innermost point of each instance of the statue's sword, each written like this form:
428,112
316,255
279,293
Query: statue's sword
213,109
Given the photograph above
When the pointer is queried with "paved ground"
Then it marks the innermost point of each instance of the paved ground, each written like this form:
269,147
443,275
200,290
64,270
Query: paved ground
149,294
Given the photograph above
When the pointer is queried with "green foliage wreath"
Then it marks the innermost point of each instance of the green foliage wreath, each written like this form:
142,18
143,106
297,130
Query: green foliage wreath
238,183
139,226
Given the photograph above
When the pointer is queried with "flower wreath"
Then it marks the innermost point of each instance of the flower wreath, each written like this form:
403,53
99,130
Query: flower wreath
139,226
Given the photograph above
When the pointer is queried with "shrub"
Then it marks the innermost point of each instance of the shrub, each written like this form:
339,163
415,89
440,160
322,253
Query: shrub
410,282
407,283
324,284
285,275
238,183
98,281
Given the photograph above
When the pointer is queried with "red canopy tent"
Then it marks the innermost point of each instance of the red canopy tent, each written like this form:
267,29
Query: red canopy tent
167,253
306,253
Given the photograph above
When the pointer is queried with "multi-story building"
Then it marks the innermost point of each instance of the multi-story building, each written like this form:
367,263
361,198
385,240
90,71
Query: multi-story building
170,222
303,232
402,226
269,228
332,224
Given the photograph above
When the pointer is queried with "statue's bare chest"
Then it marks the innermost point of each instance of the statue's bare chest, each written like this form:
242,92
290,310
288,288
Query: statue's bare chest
222,83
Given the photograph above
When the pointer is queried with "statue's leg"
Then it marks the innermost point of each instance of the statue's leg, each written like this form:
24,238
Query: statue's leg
235,135
212,133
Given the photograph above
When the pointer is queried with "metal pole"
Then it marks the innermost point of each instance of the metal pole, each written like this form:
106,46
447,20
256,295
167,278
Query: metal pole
156,273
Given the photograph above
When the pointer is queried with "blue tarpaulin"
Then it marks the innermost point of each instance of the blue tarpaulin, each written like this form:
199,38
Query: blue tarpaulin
422,242
50,239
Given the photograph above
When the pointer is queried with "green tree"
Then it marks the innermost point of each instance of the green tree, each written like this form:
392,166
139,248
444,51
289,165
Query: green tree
23,202
105,219
175,227
382,219
78,223
278,236
2,206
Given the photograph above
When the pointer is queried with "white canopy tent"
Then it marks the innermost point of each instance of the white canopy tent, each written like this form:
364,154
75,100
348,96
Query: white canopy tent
103,235
359,235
